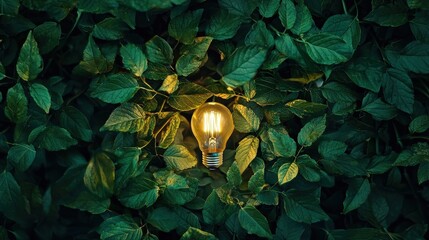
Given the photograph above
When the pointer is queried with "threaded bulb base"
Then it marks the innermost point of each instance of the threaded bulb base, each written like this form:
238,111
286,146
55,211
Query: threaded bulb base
212,160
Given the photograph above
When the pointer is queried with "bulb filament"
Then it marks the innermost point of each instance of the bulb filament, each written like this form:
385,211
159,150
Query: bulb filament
212,127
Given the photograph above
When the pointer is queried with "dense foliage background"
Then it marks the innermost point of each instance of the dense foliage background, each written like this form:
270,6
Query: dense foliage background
329,99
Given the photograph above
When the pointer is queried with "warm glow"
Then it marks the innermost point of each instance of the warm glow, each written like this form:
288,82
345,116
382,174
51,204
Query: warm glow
212,122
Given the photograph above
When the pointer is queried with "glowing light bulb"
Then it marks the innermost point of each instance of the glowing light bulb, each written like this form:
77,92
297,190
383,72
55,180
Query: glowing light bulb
212,125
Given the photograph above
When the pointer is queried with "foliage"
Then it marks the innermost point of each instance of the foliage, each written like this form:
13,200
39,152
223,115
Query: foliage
329,100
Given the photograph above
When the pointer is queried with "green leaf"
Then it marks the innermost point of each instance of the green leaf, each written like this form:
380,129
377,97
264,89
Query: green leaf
2,72
357,193
129,117
289,229
76,123
344,165
213,210
139,192
254,222
277,143
159,51
378,109
303,21
133,59
170,84
287,172
12,204
246,152
398,90
286,45
110,29
312,131
327,49
41,96
87,201
195,233
288,14
93,60
410,157
120,228
30,63
21,156
332,149
303,108
259,35
267,8
389,15
256,182
16,104
344,26
193,56
116,88
360,233
179,190
239,7
51,138
223,25
99,175
366,73
168,133
233,175
47,36
337,92
184,27
413,58
163,219
303,207
308,168
419,26
189,96
245,119
9,7
242,65
178,157
423,172
419,124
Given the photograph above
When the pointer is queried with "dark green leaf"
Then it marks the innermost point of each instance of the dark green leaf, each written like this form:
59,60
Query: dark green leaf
308,168
357,193
51,138
419,26
159,51
423,172
233,175
87,201
163,219
193,56
303,21
259,35
185,27
12,204
332,149
223,25
47,36
246,152
93,60
41,96
9,7
242,65
337,92
398,90
312,131
268,8
366,73
30,63
254,222
245,119
303,207
110,29
287,172
140,192
277,143
195,233
16,104
99,176
120,228
345,26
76,123
21,156
133,59
414,57
116,88
359,234
288,14
419,124
303,108
389,15
178,157
239,7
256,182
327,49
168,133
189,96
378,109
129,117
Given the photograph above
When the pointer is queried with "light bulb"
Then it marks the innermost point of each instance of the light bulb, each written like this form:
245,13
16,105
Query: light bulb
212,125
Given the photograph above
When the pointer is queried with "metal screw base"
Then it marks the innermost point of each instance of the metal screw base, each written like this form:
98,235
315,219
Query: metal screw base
212,160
